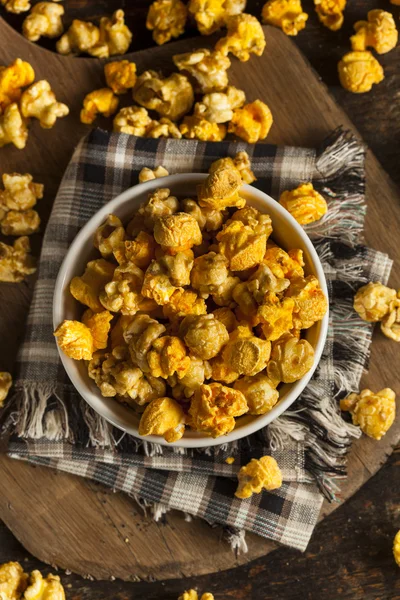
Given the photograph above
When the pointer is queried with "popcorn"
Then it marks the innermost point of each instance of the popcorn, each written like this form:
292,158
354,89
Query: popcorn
177,232
258,474
291,359
167,357
198,371
140,334
158,204
260,393
13,129
374,301
208,69
245,353
163,128
43,20
87,287
221,371
252,122
284,264
224,297
374,413
140,251
16,6
330,13
163,416
12,79
192,595
20,223
5,384
48,588
183,303
195,127
286,14
133,120
171,97
167,19
209,219
209,15
122,293
241,162
109,236
227,318
304,203
13,581
114,36
75,340
234,7
379,32
209,273
15,261
81,37
358,71
214,407
275,316
396,548
241,246
99,102
217,107
39,101
120,76
204,335
245,36
221,188
310,303
99,325
390,325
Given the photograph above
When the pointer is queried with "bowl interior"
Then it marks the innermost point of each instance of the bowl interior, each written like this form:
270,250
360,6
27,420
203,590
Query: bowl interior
287,233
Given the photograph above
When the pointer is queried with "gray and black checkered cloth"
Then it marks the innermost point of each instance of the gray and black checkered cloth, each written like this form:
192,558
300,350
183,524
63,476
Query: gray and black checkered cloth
49,424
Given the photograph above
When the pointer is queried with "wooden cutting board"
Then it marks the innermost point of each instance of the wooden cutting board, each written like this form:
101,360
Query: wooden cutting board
72,523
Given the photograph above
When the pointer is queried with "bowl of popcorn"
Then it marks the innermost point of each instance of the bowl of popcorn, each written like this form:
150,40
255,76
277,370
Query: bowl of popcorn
191,310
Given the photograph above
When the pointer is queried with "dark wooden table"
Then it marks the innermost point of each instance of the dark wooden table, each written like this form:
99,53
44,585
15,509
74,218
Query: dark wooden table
349,556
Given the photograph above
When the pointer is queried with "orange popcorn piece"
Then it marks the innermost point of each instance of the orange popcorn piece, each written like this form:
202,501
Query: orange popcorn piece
252,122
75,340
99,325
245,36
221,188
245,353
165,417
284,264
291,358
241,246
204,335
258,474
183,303
379,32
167,19
275,316
13,580
214,407
99,102
48,588
87,287
120,76
167,357
304,203
13,78
209,15
330,13
286,14
359,71
20,192
260,222
374,413
140,251
222,372
310,303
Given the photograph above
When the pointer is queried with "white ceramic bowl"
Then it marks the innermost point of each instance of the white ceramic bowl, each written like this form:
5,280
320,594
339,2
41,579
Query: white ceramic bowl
286,232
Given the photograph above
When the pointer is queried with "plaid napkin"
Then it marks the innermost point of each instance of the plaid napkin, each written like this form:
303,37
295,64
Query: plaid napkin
48,423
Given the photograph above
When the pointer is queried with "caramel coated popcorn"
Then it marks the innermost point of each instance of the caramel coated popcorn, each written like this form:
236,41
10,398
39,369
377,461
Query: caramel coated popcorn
207,68
246,353
390,325
197,128
291,358
87,287
39,101
167,19
310,303
13,78
13,581
163,416
258,474
359,71
304,203
114,36
20,191
330,13
379,32
15,261
221,188
13,128
396,548
16,6
147,174
133,120
193,595
204,335
214,407
374,413
260,393
218,107
252,122
81,37
44,20
164,128
99,102
245,36
171,97
374,301
286,14
5,384
209,15
20,223
177,232
120,75
44,588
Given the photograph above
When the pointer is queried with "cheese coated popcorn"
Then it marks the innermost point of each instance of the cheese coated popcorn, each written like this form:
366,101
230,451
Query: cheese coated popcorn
260,393
275,316
257,475
291,358
245,353
197,128
245,36
358,71
209,273
39,101
80,37
87,287
99,325
218,107
75,340
48,588
99,102
133,120
43,20
304,203
227,318
171,97
204,335
167,19
13,129
15,261
140,251
241,162
374,301
123,292
109,236
330,13
5,384
379,32
13,581
114,36
209,15
177,232
13,78
214,407
286,14
167,357
221,188
260,223
20,223
207,68
310,303
252,122
396,548
284,264
120,76
16,6
183,303
221,371
390,325
241,246
374,413
193,595
163,416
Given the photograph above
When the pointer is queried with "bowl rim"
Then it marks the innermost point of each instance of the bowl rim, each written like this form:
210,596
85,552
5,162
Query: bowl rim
202,441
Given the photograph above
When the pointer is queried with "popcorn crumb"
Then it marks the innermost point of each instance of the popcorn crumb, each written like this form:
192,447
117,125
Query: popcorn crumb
230,460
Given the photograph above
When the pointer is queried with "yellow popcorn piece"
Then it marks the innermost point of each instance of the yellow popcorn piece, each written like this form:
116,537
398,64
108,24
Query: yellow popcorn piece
396,548
222,372
193,595
167,19
204,335
44,20
241,246
120,76
240,161
304,203
16,6
221,188
123,292
209,273
177,232
48,588
133,120
171,97
260,393
374,413
13,129
167,357
257,475
87,287
207,68
310,303
99,325
164,128
165,417
245,36
157,284
227,318
183,303
245,353
80,37
260,222
109,236
114,36
209,14
286,14
20,223
15,261
185,387
218,107
374,301
39,101
147,174
13,78
390,325
140,333
230,460
140,251
330,13
214,407
284,264
13,581
197,128
275,316
99,102
5,384
75,340
379,32
359,71
291,359
252,122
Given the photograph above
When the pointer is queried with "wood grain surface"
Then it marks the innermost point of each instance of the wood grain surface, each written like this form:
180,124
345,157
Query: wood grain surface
101,521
